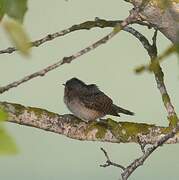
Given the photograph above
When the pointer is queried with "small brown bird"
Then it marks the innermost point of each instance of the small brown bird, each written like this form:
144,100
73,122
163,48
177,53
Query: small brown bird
88,103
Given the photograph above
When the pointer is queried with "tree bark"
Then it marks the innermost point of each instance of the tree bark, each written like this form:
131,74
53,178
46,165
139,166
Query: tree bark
163,15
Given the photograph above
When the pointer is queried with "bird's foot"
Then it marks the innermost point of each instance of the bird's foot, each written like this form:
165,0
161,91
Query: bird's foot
103,121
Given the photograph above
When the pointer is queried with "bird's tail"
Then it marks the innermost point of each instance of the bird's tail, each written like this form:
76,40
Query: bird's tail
116,110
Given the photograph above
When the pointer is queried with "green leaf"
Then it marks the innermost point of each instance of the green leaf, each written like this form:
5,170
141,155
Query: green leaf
2,10
7,145
18,35
140,69
16,9
117,28
3,115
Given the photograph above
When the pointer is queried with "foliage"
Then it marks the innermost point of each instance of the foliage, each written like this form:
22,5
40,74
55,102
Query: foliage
18,36
3,115
7,145
15,10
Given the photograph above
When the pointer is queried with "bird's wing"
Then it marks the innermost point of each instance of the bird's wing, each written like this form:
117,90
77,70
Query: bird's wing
97,101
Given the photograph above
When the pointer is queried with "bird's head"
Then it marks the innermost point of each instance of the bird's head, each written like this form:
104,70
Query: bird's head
74,84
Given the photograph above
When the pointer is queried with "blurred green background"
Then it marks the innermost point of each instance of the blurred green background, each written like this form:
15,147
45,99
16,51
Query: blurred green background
44,155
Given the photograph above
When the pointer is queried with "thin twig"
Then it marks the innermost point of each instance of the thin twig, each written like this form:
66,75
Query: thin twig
109,162
101,23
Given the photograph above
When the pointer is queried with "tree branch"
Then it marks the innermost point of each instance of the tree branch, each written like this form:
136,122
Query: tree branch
70,126
101,23
159,77
163,15
130,19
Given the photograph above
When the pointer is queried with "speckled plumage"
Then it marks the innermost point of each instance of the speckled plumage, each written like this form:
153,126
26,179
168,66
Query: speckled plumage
88,103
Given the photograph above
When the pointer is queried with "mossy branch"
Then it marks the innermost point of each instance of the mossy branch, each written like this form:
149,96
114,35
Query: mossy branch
68,125
159,77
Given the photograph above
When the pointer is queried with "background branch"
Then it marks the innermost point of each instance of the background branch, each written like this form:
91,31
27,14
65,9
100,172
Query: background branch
155,14
130,19
87,25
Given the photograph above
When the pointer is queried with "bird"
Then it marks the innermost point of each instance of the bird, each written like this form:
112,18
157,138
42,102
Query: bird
88,102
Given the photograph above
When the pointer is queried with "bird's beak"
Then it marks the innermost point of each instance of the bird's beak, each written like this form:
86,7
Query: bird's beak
63,84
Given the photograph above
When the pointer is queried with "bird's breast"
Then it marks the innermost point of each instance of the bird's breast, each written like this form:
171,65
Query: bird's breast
79,110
